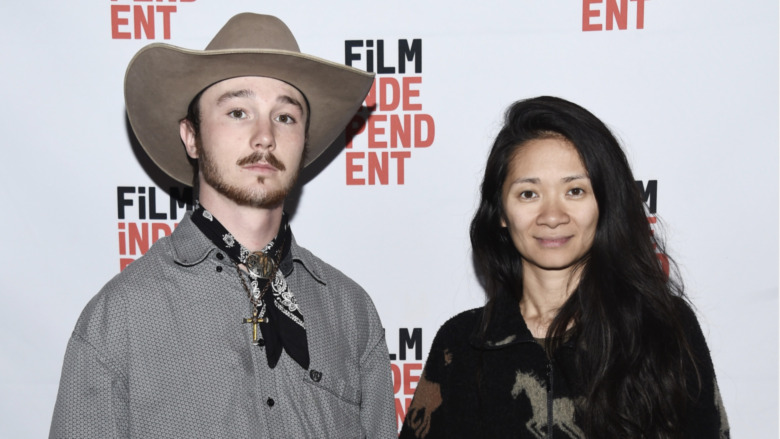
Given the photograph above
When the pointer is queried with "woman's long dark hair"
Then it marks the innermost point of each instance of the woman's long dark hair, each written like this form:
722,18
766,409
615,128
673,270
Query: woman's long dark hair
631,351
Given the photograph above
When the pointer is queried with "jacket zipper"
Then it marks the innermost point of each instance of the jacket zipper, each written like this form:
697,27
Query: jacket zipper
550,400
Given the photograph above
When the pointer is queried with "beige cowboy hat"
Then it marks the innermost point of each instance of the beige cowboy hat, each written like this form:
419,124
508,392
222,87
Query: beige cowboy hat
162,79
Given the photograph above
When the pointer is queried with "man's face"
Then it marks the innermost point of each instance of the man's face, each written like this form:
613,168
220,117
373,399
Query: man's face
251,140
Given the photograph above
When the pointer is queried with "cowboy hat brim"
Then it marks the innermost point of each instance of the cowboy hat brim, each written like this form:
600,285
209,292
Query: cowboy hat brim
161,81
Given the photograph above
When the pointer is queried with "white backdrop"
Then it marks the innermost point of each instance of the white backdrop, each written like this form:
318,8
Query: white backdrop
691,89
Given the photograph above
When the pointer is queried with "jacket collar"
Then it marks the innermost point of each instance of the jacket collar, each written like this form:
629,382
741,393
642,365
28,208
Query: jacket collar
506,326
191,247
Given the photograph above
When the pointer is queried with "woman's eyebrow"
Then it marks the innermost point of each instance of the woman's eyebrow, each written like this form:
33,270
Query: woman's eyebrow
574,177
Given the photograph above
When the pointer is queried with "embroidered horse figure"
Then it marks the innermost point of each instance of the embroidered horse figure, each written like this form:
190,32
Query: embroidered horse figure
563,408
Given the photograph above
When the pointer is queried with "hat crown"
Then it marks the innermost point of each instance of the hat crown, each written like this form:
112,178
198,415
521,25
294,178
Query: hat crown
254,31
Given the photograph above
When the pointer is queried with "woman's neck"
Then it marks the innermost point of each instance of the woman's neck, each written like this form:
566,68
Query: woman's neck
544,293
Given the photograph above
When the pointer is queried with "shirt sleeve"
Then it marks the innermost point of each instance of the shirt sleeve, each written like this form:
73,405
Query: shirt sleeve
420,421
708,418
377,406
92,398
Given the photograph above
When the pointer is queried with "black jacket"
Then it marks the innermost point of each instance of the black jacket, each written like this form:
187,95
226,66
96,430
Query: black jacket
504,386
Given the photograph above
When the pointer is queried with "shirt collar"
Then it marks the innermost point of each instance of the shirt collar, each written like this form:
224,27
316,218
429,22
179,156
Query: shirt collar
191,247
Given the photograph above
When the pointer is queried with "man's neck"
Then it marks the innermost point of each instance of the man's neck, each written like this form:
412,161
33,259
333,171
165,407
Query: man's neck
253,227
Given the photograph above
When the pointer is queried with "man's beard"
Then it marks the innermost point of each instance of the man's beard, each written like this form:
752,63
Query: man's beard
259,197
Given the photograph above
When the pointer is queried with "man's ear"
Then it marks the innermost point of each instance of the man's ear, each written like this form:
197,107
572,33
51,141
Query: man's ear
188,137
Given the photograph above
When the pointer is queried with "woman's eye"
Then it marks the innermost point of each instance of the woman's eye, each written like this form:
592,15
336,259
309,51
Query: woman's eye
527,195
576,192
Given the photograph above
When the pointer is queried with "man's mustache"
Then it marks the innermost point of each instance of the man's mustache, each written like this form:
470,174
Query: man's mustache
259,156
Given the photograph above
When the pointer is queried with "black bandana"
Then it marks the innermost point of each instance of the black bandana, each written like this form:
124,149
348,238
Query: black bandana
282,326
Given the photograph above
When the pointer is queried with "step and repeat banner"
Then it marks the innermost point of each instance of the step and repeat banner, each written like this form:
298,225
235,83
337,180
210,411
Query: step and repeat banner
689,87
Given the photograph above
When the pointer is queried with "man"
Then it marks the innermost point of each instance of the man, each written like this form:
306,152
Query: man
228,328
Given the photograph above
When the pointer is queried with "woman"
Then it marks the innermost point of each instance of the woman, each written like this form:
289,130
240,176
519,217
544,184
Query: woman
583,333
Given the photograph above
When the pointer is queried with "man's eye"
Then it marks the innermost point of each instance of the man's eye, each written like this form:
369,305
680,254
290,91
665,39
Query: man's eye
285,118
237,114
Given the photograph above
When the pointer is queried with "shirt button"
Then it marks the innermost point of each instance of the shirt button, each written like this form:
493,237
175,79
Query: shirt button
219,269
270,402
220,256
261,342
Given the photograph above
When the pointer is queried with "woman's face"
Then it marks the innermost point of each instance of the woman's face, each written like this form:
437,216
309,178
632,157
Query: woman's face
551,211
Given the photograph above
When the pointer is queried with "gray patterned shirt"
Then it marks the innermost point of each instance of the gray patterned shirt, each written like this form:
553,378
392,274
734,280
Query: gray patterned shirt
161,352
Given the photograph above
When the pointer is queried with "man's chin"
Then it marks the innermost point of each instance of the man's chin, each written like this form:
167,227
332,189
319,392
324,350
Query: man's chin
262,193
262,199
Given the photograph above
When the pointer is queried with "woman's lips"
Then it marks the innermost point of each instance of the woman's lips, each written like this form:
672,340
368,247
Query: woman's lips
553,242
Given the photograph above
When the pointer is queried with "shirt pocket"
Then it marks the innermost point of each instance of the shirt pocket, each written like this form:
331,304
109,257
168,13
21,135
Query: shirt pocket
339,402
334,384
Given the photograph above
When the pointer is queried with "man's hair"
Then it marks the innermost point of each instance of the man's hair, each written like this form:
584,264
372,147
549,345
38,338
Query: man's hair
632,354
193,113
